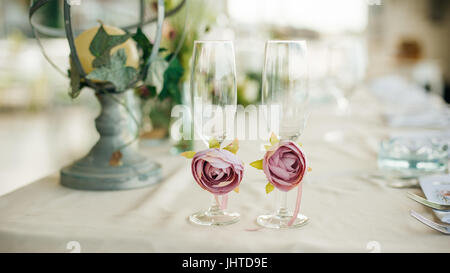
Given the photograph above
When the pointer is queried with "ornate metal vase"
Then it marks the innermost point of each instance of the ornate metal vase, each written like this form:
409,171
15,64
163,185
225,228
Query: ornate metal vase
116,128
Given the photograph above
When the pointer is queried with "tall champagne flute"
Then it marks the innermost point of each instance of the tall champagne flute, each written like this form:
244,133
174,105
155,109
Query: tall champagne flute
346,63
345,71
214,98
285,94
213,87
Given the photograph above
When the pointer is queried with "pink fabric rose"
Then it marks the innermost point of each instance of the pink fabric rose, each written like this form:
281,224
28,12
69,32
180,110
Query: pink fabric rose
284,165
217,171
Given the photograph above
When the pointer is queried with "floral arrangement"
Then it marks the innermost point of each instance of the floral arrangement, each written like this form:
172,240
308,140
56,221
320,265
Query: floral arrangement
284,165
217,170
116,61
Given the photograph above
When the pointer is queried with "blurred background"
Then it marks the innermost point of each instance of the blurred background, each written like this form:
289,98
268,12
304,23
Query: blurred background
351,43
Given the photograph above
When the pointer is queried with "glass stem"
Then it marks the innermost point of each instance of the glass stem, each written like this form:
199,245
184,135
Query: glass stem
282,204
215,209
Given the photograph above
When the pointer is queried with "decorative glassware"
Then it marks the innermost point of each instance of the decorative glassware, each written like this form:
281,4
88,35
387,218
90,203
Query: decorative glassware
214,98
346,63
345,70
285,90
215,216
412,156
213,87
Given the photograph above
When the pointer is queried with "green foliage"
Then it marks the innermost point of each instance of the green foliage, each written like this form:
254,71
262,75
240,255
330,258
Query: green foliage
143,44
172,78
115,72
155,74
244,86
160,113
161,80
213,143
269,187
258,164
102,44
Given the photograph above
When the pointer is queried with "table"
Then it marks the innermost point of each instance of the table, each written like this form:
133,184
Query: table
43,134
347,212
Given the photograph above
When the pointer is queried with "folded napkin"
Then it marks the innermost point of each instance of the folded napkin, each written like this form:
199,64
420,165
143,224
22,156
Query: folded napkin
409,105
397,90
439,118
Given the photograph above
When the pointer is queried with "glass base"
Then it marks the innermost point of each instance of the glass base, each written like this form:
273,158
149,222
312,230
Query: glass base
278,221
214,217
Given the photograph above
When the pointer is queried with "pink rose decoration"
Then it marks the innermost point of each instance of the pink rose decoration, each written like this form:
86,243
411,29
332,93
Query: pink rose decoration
217,171
284,165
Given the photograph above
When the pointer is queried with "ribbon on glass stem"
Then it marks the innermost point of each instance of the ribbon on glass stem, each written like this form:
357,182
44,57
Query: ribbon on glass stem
223,205
297,205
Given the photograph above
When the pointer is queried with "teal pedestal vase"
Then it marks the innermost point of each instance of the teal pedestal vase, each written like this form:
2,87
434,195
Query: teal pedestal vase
116,128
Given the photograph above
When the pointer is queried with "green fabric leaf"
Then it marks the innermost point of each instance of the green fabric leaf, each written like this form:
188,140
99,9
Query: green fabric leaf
188,154
155,74
273,139
258,164
116,72
213,143
102,44
269,187
233,146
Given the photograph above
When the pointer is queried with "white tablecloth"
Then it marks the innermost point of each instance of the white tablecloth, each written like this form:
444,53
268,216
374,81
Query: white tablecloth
347,213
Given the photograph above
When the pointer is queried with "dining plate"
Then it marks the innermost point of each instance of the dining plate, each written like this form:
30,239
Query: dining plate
437,189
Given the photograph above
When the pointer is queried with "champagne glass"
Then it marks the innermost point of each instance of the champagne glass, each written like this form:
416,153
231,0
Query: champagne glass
213,87
214,98
285,94
345,71
346,67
